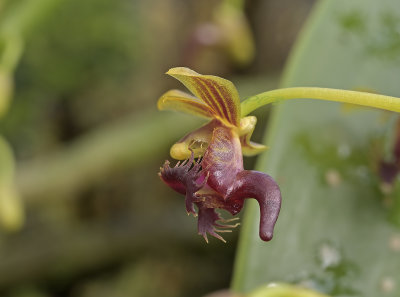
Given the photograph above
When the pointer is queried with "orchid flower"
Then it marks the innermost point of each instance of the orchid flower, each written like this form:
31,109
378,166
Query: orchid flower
217,179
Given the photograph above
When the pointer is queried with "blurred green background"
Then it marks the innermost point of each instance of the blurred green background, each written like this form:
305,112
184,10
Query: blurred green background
83,211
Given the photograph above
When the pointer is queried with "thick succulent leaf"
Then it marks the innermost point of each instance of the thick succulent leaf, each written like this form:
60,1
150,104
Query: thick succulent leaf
218,93
184,102
283,290
334,232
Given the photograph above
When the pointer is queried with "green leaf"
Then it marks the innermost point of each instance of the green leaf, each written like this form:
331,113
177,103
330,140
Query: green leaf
335,232
11,208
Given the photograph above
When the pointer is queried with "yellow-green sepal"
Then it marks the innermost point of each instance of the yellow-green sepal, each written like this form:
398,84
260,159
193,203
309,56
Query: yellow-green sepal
219,94
180,101
249,148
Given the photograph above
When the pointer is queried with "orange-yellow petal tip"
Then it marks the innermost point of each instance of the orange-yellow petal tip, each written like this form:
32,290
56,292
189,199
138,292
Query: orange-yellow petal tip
181,71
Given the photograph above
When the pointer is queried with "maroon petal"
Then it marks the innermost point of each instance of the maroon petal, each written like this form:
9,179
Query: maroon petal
223,160
209,221
248,184
219,181
260,186
185,178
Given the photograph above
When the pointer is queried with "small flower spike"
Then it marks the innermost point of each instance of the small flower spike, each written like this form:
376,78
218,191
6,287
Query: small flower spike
217,179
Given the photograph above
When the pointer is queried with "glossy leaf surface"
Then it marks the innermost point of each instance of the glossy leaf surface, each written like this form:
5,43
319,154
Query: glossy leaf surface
336,231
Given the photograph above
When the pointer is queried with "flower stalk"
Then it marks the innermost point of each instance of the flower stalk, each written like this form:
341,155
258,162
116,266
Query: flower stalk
336,95
217,179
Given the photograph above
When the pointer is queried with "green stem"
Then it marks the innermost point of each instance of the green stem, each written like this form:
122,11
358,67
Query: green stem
344,96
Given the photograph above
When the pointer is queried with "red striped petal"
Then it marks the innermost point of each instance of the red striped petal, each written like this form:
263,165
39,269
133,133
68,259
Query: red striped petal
219,94
181,101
